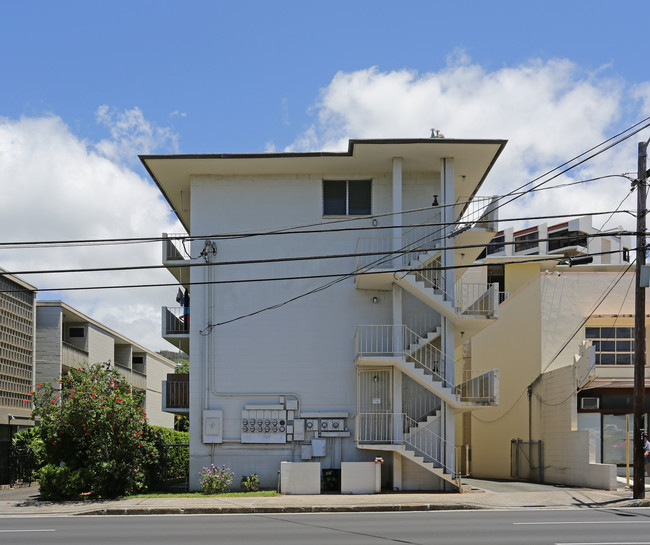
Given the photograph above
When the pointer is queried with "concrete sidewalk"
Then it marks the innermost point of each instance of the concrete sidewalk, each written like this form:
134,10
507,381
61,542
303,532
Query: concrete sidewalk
484,495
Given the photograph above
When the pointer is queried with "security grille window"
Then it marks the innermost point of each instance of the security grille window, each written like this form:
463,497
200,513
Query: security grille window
614,345
347,197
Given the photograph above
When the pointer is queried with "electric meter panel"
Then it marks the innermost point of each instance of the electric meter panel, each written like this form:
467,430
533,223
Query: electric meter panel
263,426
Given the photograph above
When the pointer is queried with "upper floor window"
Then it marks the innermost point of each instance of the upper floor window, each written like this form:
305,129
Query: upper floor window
526,242
347,197
76,332
614,345
564,238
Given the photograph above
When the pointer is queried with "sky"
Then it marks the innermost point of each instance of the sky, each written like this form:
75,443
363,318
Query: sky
87,86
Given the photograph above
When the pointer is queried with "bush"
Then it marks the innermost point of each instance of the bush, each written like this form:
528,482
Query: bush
96,439
63,483
250,483
215,480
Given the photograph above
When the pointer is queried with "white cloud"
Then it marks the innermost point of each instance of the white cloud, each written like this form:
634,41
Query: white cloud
58,187
131,134
549,111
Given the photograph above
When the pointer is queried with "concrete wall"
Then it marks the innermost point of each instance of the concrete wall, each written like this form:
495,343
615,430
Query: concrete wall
157,370
360,478
304,348
49,323
101,345
511,344
123,354
566,451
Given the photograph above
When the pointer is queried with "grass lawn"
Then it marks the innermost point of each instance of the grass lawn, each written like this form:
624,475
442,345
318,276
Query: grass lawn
261,493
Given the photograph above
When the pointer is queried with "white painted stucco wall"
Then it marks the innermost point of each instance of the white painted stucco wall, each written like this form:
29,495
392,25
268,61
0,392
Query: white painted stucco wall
304,348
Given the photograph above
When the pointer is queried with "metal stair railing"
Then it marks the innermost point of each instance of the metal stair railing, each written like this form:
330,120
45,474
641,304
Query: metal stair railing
391,429
400,342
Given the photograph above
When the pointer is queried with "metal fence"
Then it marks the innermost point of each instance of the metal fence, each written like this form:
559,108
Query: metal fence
526,460
22,466
174,467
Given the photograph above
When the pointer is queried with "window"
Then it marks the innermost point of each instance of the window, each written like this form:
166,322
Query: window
496,245
78,332
347,197
564,238
614,345
526,242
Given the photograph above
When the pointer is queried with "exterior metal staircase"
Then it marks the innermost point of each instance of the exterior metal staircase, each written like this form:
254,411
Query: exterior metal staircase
388,345
396,432
414,262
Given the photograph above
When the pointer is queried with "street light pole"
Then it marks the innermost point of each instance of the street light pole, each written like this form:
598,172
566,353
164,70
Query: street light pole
639,327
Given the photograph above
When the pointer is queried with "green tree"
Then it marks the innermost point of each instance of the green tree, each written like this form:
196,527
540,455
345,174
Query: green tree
96,438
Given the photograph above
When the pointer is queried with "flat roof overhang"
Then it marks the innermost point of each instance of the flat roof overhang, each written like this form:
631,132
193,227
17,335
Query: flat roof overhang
473,160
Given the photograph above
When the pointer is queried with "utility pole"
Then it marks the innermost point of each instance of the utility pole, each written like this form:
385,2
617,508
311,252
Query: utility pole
639,327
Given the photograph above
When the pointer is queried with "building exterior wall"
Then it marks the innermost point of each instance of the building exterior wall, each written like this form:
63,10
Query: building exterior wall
156,370
566,452
101,345
49,324
538,336
17,337
512,345
304,348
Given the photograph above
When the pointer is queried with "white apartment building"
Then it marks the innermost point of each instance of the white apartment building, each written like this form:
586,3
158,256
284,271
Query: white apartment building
329,306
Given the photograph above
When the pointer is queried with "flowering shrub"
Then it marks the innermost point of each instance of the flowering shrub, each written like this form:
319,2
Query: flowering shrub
215,480
250,483
96,438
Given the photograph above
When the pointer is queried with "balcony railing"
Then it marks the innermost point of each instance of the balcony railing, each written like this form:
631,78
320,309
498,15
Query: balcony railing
470,298
134,378
174,321
176,392
477,212
174,247
386,341
71,356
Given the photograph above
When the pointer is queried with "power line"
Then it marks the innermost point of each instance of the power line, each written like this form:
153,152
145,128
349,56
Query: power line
343,276
185,264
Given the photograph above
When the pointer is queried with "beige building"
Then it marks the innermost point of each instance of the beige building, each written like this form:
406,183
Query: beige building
17,313
65,338
564,345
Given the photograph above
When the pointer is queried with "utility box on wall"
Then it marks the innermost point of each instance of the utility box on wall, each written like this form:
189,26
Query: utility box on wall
213,426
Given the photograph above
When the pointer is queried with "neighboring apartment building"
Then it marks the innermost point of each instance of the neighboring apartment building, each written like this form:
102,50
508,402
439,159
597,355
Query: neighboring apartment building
350,349
17,319
564,343
67,338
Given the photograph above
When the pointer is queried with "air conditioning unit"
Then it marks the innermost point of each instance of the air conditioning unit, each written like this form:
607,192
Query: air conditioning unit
590,403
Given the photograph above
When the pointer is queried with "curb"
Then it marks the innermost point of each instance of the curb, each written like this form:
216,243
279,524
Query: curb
287,509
